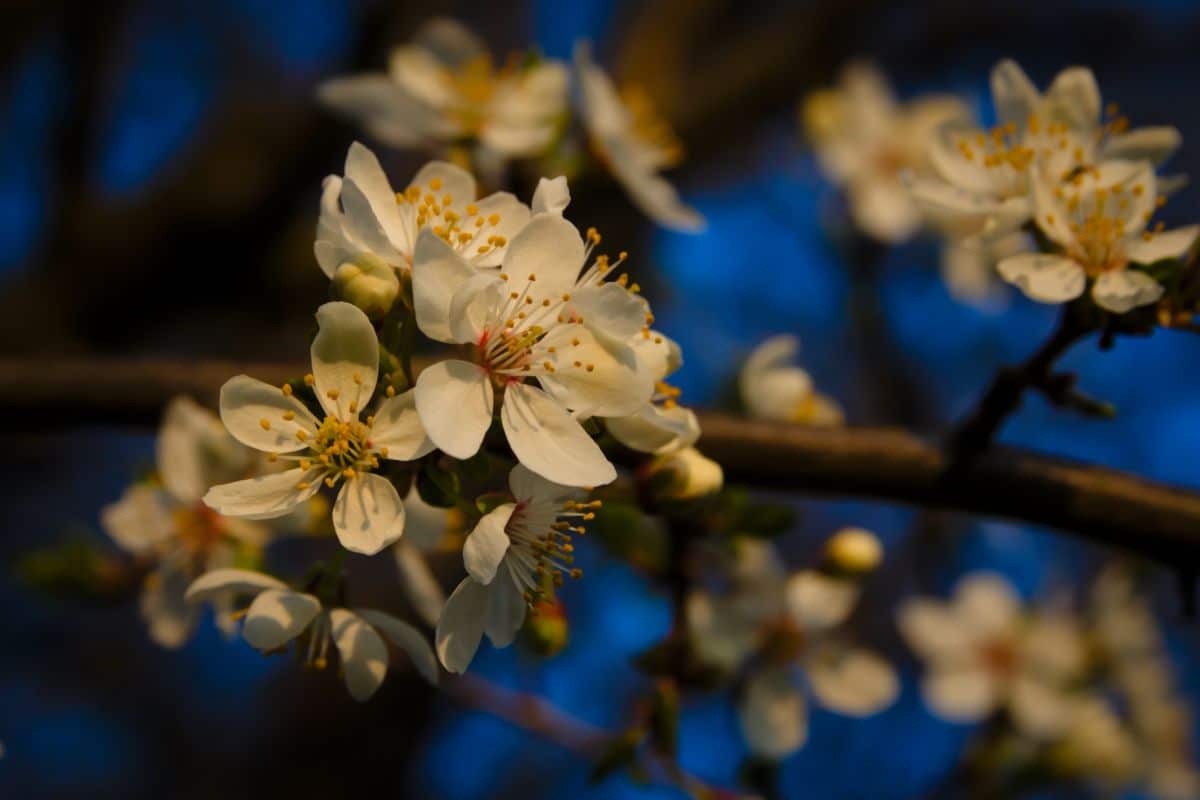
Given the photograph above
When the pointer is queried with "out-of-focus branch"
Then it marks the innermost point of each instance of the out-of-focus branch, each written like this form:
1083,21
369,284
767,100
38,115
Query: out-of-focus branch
1095,502
542,718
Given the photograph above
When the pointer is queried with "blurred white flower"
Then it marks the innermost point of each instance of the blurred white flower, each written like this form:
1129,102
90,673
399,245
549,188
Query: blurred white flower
368,514
662,426
537,318
1098,219
983,182
443,88
426,529
774,389
969,267
792,622
1096,746
634,142
169,524
508,555
280,614
867,142
363,220
983,654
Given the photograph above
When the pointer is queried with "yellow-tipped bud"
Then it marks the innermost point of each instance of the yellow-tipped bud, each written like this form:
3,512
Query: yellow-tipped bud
854,550
686,475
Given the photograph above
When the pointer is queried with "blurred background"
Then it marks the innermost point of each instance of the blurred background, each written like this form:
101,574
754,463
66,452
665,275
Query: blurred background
160,165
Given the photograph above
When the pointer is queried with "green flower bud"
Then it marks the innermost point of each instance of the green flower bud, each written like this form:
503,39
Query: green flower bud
369,283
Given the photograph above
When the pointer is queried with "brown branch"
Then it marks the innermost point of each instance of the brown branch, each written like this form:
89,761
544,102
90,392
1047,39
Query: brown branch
1095,502
542,718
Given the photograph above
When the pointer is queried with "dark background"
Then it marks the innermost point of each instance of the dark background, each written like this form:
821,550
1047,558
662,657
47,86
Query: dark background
160,164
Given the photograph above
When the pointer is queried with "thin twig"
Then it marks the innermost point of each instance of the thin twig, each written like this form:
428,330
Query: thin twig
1097,503
1003,397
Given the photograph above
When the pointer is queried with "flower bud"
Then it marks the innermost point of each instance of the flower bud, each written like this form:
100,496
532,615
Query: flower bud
685,475
546,628
854,550
367,282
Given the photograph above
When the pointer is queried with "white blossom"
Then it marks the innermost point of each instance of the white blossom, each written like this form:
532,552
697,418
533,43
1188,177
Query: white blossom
363,220
368,514
867,142
983,654
165,521
280,614
662,426
546,316
426,529
443,88
798,615
1097,220
776,390
508,554
634,142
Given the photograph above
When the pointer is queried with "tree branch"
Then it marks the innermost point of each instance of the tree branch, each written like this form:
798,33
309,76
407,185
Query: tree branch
1097,503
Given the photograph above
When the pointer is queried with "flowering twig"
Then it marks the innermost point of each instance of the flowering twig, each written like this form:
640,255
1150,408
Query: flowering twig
1003,397
542,718
1095,502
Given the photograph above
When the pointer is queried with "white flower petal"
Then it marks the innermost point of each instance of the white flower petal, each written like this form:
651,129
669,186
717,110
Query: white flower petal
426,525
987,604
364,655
389,114
422,75
454,401
552,196
1054,647
513,217
1168,244
960,695
1153,144
264,497
368,514
398,428
437,273
452,181
461,626
650,192
656,430
169,616
773,715
1013,94
475,306
857,683
549,441
418,582
141,520
594,377
345,359
1074,98
1043,277
818,602
550,248
230,582
277,616
610,310
505,611
449,41
364,170
935,632
407,638
1039,710
487,543
194,450
883,207
533,490
1121,290
246,402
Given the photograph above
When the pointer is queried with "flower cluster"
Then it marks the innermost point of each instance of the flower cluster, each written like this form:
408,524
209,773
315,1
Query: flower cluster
443,92
549,344
785,631
1087,697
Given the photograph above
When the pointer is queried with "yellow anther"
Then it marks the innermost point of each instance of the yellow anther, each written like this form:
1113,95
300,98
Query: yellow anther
390,391
333,394
472,210
289,415
494,219
266,424
286,389
309,380
435,184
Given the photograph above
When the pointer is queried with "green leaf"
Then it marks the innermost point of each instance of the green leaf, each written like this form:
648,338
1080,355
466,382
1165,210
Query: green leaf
437,486
490,501
77,568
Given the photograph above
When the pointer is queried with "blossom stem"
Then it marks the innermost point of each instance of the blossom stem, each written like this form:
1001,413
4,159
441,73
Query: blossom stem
1003,397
